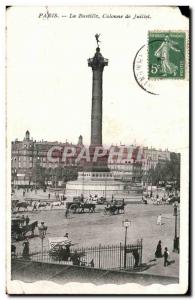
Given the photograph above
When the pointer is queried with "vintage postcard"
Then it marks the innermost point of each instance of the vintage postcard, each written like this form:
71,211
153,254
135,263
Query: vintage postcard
97,150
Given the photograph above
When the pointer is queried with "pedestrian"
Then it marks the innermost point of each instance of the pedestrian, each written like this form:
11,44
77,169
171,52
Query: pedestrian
66,239
158,252
166,255
159,220
91,264
13,251
34,205
22,220
66,212
82,198
49,196
75,258
25,252
136,257
27,220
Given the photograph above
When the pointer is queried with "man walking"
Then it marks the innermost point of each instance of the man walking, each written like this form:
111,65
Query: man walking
66,212
166,255
159,220
27,220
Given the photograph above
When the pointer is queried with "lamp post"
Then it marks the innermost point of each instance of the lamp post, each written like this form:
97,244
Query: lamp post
42,233
83,183
176,238
105,188
126,223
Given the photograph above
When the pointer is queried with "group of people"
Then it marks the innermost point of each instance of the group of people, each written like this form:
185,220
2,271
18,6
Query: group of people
26,190
158,253
89,200
24,220
59,197
157,199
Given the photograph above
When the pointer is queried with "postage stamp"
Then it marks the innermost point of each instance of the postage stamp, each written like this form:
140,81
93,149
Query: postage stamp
166,54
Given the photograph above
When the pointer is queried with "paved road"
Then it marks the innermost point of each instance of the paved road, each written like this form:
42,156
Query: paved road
90,229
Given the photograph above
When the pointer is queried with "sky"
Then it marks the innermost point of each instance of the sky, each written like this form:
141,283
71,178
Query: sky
49,84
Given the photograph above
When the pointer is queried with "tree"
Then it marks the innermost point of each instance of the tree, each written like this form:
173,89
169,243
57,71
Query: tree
167,171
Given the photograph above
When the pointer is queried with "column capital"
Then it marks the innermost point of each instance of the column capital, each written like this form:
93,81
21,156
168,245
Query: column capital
98,62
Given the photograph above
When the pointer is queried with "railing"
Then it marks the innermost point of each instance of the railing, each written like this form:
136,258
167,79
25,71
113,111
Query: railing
101,257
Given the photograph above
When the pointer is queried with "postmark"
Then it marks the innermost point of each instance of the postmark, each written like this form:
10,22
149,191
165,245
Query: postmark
166,55
140,72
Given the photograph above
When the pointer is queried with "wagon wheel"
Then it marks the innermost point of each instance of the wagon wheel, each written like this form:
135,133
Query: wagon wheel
105,211
111,212
82,208
73,208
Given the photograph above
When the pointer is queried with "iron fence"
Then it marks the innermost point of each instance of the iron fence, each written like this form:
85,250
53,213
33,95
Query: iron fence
101,257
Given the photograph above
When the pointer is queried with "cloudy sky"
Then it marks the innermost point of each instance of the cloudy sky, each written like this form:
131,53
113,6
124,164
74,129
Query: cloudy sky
49,83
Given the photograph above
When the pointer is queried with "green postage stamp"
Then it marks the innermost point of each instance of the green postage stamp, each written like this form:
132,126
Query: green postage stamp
166,54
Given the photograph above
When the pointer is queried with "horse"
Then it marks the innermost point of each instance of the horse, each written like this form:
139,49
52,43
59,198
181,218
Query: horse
89,206
57,203
22,204
157,202
42,204
19,233
121,208
30,227
112,209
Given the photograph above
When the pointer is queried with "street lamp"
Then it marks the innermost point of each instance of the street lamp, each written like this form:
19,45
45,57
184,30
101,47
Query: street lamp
176,238
126,223
42,233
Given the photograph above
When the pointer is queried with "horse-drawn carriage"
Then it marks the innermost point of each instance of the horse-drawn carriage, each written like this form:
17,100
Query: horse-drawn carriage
114,207
173,199
79,205
19,230
101,200
60,250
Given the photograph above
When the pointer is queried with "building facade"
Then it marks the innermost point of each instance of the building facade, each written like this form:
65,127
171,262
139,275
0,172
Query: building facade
28,155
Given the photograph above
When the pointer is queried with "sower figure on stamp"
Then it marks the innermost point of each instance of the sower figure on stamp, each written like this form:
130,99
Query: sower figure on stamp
167,67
